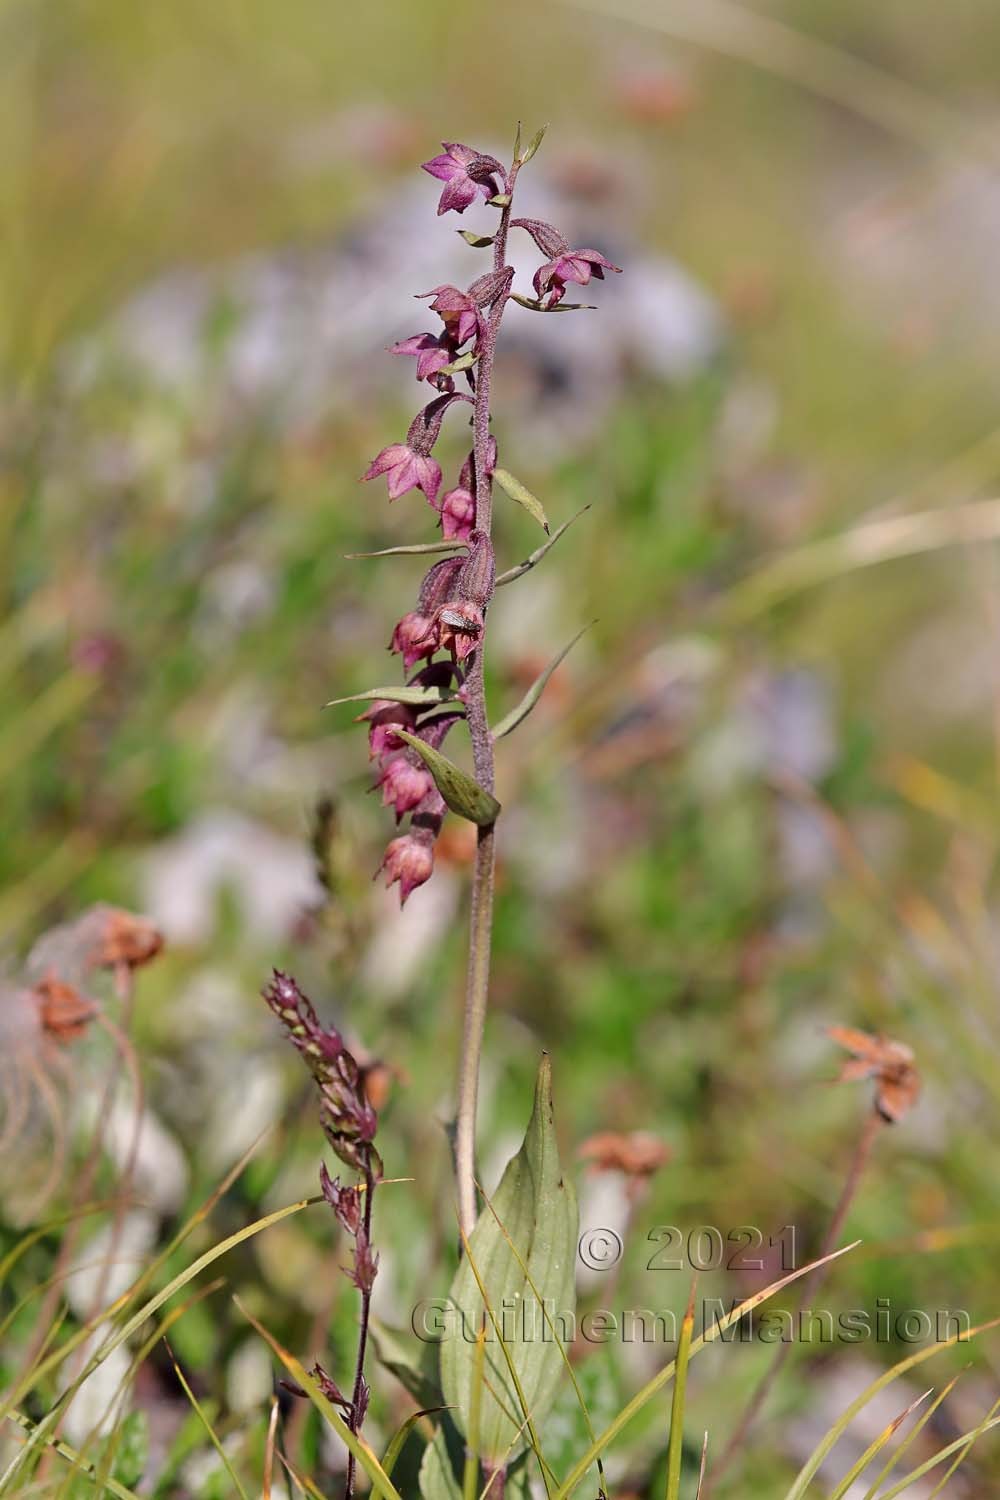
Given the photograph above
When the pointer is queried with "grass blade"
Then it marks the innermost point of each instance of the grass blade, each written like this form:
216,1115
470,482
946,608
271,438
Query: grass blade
823,1447
676,1444
659,1380
364,1455
874,1447
206,1424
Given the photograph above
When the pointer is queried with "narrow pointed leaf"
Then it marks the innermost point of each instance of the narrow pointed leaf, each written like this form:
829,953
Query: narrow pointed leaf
517,142
414,549
533,145
517,491
461,792
537,688
398,1440
535,557
533,305
676,1441
400,692
353,1441
477,241
534,1210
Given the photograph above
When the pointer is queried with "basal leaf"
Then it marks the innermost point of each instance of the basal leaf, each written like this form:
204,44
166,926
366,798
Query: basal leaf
460,791
519,1260
513,487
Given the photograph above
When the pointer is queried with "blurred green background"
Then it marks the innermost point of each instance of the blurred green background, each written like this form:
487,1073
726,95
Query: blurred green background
760,796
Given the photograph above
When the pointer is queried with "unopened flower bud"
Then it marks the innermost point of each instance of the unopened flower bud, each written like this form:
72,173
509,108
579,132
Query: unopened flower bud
381,717
409,860
458,513
409,639
403,784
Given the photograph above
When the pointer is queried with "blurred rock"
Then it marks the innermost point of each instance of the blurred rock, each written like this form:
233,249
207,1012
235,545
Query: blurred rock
271,877
298,333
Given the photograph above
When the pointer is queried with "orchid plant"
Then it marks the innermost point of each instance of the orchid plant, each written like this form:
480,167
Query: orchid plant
443,636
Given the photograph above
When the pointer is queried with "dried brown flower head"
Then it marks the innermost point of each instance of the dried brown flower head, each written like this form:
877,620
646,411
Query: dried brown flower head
889,1063
637,1155
118,938
64,1013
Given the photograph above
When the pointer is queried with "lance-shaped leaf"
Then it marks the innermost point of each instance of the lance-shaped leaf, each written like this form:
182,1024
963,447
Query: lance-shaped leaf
517,491
413,549
532,146
401,692
477,241
520,1256
461,792
537,688
535,558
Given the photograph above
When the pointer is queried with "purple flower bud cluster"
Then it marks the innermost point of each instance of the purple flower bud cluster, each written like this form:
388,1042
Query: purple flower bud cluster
442,635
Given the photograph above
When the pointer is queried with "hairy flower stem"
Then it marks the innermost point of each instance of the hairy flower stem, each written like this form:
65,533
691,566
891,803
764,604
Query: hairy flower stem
810,1285
359,1368
481,916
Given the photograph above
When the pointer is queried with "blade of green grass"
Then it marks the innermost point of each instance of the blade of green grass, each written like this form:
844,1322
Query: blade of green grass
963,1453
365,1456
470,1478
823,1447
874,1447
206,1424
70,1454
965,1441
910,1438
402,1432
650,1389
675,1446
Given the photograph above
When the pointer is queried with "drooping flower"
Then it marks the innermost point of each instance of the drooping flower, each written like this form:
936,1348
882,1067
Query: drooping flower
403,784
458,628
432,354
409,639
409,466
572,265
458,514
460,313
465,173
64,1013
404,470
409,860
381,717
